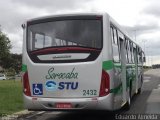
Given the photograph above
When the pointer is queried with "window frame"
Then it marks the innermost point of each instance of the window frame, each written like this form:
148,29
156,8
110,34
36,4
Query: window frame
115,42
126,47
30,43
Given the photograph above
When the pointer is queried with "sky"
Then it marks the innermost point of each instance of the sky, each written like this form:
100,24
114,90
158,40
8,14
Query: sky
140,18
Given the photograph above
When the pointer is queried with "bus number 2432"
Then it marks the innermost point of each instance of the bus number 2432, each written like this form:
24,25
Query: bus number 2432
89,92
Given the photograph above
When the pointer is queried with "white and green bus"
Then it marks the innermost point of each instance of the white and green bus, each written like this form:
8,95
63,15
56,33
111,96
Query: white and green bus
79,61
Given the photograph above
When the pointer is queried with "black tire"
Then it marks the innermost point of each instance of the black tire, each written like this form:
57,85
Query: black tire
139,91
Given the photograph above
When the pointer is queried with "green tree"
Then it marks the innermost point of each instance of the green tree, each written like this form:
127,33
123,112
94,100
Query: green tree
5,46
16,63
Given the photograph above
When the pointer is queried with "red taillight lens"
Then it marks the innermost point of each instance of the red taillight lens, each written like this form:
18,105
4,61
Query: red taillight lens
26,87
105,81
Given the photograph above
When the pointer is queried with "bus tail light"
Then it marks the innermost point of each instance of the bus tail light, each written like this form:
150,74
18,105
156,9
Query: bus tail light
26,87
105,84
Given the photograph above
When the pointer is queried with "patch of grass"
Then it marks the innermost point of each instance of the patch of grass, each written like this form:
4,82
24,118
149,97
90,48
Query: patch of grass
11,99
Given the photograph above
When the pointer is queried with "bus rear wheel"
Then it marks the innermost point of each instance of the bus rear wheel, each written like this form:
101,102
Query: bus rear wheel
140,89
128,104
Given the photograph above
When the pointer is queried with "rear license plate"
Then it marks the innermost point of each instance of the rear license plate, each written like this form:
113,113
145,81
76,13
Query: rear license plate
63,105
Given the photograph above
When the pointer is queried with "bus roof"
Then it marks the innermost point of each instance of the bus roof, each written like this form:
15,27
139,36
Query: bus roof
68,14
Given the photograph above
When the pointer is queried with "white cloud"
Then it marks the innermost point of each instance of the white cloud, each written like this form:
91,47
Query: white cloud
125,12
16,42
140,15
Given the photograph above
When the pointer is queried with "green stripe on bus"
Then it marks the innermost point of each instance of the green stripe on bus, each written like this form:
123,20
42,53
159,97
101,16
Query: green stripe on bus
108,65
116,90
24,68
117,65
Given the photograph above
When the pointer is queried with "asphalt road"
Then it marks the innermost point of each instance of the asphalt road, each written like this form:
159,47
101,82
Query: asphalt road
147,103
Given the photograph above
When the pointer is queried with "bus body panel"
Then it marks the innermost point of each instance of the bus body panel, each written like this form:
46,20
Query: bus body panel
75,81
47,104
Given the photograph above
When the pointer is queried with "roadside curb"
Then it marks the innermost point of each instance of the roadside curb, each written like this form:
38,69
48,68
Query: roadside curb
23,112
16,115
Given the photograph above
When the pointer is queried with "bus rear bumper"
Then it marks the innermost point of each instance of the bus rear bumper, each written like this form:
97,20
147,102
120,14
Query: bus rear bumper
46,104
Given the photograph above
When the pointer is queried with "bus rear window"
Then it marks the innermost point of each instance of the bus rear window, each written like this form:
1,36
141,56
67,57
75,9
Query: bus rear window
65,33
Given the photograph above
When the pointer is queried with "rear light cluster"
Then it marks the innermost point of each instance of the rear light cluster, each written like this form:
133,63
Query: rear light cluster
26,86
105,84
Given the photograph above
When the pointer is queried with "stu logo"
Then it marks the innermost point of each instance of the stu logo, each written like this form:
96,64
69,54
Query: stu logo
52,86
68,85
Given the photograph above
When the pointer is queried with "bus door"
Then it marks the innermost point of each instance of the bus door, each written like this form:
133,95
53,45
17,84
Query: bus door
123,63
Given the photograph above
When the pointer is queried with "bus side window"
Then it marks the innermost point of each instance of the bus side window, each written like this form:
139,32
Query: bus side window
133,55
115,36
126,46
131,50
139,55
129,53
121,37
140,58
112,35
115,48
